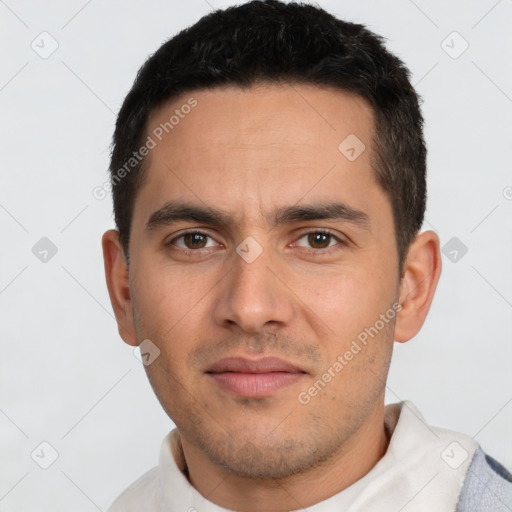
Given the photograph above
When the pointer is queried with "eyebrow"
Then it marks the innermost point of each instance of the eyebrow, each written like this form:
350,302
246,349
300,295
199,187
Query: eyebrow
174,211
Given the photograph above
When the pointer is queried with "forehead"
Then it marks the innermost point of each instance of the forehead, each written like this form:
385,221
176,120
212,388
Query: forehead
240,147
299,116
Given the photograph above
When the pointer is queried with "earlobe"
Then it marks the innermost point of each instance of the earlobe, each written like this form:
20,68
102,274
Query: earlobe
418,285
118,284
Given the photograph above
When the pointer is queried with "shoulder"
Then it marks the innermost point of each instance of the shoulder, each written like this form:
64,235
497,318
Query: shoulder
488,486
143,494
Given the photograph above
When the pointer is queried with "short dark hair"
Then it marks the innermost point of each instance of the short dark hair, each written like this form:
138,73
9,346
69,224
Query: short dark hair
273,42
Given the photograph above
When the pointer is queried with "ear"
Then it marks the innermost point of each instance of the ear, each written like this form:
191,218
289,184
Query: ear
418,285
118,284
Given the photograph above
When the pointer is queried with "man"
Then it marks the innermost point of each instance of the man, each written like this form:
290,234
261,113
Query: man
268,176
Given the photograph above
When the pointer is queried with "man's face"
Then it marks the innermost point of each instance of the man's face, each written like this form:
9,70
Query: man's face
298,288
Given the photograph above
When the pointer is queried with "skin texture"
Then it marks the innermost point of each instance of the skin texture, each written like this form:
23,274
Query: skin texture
247,152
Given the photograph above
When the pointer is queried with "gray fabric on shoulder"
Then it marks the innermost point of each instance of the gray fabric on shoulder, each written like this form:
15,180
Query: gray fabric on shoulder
488,486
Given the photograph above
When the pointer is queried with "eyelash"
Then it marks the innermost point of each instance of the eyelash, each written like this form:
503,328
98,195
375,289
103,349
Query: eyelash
311,251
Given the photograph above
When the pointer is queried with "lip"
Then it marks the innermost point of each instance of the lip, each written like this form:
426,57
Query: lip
254,378
245,365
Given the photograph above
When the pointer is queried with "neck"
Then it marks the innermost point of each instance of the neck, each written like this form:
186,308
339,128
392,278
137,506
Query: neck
351,462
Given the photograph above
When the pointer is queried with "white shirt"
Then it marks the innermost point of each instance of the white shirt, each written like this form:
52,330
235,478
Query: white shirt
423,469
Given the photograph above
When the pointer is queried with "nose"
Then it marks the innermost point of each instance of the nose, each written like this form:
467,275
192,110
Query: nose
253,296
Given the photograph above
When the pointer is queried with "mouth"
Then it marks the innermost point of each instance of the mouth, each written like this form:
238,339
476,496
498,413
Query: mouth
254,378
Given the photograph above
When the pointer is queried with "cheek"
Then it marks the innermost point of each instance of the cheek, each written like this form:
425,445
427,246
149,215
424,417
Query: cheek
168,302
168,310
345,301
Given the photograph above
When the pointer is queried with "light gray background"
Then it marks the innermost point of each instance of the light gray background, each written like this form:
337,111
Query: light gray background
66,376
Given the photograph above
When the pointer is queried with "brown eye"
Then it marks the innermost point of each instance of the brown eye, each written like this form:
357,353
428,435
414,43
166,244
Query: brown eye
319,240
194,240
